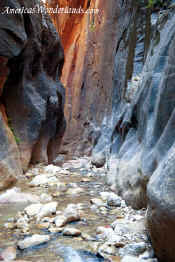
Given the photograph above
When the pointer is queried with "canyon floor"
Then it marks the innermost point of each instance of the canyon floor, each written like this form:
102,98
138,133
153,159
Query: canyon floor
68,213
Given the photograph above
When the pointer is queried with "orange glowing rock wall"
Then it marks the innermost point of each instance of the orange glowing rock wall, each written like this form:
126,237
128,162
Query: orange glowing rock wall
89,46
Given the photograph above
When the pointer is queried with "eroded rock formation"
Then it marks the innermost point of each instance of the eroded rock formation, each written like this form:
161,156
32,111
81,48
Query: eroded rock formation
89,45
32,97
119,76
119,80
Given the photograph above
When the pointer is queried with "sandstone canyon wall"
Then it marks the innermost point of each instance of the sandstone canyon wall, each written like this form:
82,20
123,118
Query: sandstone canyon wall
89,42
119,79
31,95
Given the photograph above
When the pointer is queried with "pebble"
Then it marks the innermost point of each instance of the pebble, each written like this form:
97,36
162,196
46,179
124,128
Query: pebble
72,213
114,259
61,186
9,254
86,179
134,249
116,202
33,241
52,169
56,194
43,225
107,249
111,198
104,230
45,198
110,240
98,202
10,225
74,191
33,209
136,259
47,219
87,237
147,254
65,172
47,210
71,231
15,195
25,230
55,229
42,180
60,221
130,259
22,223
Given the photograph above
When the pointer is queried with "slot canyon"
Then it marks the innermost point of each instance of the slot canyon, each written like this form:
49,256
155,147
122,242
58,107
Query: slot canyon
87,113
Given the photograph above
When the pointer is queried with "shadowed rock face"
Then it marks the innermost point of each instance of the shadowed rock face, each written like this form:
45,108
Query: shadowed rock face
120,97
89,44
31,60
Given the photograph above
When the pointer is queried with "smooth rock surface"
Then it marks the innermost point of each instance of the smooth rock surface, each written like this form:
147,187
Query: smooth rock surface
33,241
33,210
46,210
70,231
33,95
8,254
14,195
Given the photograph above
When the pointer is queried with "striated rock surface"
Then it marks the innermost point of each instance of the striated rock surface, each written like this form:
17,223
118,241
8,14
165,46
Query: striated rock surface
88,69
31,95
119,78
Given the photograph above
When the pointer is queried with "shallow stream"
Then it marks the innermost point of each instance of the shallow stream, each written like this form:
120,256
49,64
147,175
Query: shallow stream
67,248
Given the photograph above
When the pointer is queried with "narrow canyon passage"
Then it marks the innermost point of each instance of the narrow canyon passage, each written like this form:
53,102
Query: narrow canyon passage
87,137
75,216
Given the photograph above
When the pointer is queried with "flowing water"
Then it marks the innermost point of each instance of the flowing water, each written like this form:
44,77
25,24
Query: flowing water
64,248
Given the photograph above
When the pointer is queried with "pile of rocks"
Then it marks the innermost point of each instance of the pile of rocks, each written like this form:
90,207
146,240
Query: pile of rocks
124,239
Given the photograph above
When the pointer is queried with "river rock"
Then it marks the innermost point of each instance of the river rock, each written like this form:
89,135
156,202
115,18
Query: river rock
104,230
52,169
33,209
59,160
70,231
8,254
15,195
148,254
47,209
98,202
60,186
75,191
87,237
22,224
114,201
134,249
60,221
111,198
98,159
107,249
45,198
72,213
55,229
131,259
65,172
43,180
10,225
44,225
136,259
33,241
107,233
